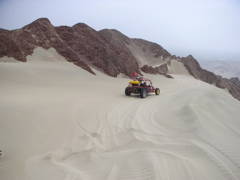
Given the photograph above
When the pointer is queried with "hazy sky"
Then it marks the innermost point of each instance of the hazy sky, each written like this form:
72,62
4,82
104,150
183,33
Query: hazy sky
204,28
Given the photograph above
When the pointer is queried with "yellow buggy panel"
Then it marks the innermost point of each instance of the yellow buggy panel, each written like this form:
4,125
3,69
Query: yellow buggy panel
135,82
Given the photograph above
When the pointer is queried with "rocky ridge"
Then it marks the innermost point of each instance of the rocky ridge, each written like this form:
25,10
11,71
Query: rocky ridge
79,44
107,50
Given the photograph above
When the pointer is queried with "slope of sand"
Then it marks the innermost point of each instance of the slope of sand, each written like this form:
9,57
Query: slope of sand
59,122
144,57
177,68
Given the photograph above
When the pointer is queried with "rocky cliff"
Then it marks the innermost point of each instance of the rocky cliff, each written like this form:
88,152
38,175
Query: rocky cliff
107,50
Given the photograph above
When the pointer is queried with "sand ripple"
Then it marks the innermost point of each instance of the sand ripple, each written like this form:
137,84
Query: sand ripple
72,131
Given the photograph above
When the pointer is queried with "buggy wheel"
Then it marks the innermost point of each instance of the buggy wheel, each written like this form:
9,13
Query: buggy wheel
157,91
127,92
143,93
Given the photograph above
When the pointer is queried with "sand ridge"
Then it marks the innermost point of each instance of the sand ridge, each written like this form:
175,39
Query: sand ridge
60,122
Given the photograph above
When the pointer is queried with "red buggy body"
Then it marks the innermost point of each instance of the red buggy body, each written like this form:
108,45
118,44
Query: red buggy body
142,86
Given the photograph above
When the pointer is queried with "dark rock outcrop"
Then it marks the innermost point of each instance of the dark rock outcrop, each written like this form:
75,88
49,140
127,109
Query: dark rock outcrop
156,70
233,86
41,33
117,39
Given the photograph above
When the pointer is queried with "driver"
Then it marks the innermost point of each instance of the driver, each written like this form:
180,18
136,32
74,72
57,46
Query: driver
143,84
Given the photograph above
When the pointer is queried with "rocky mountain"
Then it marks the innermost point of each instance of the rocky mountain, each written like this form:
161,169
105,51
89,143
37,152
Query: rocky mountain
79,44
107,50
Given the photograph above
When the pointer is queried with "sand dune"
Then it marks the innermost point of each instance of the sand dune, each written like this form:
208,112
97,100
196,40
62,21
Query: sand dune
59,122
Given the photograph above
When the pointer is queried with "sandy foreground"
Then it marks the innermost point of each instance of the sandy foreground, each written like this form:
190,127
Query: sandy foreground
58,122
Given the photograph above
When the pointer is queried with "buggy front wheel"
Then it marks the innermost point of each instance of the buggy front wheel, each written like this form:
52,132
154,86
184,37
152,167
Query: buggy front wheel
157,91
143,93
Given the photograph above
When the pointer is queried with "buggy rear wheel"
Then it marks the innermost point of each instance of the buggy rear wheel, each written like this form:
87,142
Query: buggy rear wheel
143,93
157,91
127,92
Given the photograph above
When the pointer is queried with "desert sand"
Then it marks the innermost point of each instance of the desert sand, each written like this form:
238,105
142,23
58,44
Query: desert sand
59,122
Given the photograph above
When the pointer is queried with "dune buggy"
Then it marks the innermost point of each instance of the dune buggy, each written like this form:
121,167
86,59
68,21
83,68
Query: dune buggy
142,86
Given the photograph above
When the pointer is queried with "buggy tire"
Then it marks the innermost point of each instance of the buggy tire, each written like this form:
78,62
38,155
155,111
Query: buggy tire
127,92
157,91
143,93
